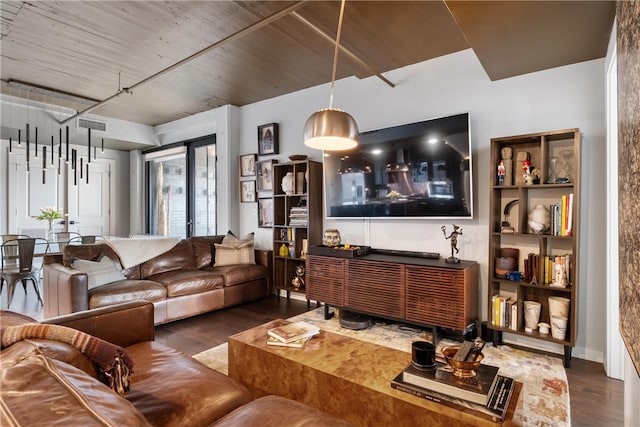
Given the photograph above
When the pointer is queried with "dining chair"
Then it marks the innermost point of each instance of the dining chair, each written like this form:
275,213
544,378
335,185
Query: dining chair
64,237
86,239
17,265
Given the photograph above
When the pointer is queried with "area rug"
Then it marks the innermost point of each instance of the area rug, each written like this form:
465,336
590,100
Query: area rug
544,400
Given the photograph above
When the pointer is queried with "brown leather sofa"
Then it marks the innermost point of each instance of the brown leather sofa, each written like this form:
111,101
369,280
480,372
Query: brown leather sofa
182,282
48,382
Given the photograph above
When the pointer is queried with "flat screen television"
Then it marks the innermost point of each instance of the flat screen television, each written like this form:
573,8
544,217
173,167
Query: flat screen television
415,170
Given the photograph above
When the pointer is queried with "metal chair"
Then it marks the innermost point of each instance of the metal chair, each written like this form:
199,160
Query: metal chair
85,240
17,265
63,238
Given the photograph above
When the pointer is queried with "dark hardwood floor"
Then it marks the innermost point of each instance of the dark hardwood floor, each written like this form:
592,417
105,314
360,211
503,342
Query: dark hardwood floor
596,400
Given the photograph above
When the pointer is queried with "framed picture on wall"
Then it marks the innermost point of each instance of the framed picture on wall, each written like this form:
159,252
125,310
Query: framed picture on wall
248,191
265,213
268,139
248,165
264,169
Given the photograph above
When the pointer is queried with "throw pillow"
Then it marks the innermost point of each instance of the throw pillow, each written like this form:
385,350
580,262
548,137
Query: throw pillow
100,272
234,251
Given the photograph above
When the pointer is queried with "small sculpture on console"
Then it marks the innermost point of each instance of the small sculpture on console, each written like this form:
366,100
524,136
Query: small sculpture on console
454,243
331,238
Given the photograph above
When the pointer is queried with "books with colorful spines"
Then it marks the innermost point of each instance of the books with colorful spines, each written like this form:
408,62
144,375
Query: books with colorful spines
495,410
476,389
293,331
296,344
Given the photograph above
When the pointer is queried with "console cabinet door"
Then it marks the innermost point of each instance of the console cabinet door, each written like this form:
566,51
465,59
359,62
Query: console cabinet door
375,287
325,279
443,297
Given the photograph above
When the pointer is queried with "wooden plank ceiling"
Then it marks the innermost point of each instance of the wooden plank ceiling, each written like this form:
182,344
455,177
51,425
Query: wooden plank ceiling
94,48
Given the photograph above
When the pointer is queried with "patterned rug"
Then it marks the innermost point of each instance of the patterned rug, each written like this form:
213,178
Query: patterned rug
544,400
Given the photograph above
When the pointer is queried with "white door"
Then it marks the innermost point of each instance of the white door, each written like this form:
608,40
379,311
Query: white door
86,205
27,193
89,203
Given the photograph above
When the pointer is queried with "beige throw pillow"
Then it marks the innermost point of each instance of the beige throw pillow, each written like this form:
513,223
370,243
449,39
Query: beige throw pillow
234,251
99,272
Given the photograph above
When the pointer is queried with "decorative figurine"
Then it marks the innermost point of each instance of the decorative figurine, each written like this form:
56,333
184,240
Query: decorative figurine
507,162
531,175
501,173
298,281
331,238
454,242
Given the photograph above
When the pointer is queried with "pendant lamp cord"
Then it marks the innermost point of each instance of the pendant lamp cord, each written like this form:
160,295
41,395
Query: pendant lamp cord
335,55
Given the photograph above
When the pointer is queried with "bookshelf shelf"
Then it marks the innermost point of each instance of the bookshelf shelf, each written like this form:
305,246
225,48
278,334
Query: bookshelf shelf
551,256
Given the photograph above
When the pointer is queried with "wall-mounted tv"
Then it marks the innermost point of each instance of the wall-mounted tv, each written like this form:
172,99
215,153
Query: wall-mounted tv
415,170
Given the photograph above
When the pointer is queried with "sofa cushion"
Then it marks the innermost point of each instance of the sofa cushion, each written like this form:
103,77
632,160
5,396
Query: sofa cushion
125,291
240,273
233,250
180,257
186,282
43,391
203,249
170,388
276,411
100,272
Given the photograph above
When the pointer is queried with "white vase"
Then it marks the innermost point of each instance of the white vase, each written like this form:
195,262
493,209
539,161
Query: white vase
288,183
531,315
539,219
559,307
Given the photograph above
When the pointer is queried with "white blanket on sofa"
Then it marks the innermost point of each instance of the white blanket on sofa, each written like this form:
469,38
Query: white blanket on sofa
136,251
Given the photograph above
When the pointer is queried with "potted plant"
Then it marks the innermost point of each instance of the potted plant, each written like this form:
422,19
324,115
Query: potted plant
49,214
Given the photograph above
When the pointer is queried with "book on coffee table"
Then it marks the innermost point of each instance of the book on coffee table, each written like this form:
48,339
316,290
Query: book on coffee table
476,389
295,344
293,331
495,410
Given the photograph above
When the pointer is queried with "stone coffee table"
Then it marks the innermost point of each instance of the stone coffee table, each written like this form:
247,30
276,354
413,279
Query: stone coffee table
343,376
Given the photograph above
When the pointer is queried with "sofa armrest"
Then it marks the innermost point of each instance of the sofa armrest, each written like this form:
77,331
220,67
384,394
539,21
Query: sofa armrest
65,290
122,324
265,257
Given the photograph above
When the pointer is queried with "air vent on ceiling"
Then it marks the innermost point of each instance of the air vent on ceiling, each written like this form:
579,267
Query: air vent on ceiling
92,124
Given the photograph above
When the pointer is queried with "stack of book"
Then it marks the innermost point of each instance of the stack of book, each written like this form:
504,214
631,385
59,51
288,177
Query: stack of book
505,311
561,216
298,216
488,393
295,334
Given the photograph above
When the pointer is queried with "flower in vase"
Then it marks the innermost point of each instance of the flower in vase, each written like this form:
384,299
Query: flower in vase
48,214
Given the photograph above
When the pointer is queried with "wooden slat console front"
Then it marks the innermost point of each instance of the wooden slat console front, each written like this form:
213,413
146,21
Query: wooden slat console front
417,290
342,376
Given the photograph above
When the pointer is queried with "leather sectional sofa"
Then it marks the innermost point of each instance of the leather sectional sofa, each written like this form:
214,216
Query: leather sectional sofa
181,282
49,382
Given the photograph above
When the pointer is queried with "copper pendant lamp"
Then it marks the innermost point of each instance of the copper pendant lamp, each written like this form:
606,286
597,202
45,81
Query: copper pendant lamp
332,129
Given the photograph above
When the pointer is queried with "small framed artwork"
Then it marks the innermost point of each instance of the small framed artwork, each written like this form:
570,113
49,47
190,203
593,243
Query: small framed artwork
265,213
268,139
248,165
248,191
264,169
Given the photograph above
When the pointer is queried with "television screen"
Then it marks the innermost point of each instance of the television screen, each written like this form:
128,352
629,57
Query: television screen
420,169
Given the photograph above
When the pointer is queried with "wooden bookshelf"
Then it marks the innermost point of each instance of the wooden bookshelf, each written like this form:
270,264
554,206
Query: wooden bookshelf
556,156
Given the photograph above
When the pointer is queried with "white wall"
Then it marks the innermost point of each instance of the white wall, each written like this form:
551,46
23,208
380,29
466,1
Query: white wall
560,98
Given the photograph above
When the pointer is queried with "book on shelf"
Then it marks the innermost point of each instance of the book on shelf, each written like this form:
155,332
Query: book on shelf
477,389
293,331
505,311
295,344
495,410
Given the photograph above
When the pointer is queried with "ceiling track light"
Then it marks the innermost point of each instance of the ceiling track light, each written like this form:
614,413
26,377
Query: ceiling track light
332,129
